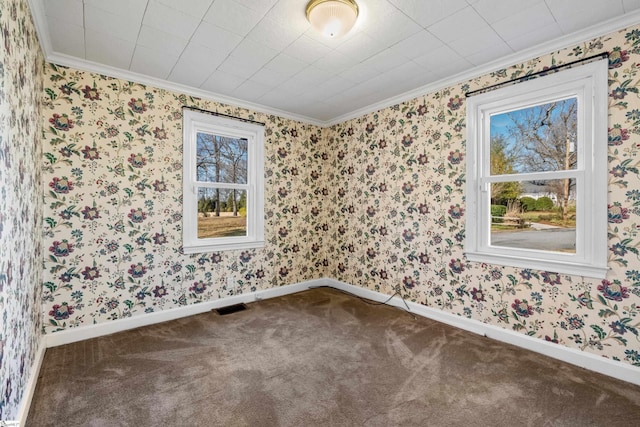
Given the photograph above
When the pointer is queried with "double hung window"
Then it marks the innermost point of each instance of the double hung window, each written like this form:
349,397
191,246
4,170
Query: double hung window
223,200
536,173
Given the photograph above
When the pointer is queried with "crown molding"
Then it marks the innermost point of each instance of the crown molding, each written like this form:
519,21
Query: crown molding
601,29
614,24
42,28
94,67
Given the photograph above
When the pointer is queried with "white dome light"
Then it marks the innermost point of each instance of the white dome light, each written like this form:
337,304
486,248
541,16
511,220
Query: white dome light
332,18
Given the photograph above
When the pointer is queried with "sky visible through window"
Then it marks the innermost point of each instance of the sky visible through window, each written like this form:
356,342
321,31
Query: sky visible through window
524,132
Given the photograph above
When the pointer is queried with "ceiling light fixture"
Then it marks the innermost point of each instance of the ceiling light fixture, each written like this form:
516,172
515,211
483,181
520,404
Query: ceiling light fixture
333,18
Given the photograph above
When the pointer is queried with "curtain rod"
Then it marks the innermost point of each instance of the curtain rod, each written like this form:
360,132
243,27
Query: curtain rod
215,113
533,75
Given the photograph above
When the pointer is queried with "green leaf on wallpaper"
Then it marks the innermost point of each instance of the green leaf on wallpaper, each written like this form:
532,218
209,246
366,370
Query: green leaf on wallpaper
602,300
51,158
512,279
518,326
51,94
599,331
128,247
191,268
606,312
55,269
50,222
129,304
118,169
129,136
621,340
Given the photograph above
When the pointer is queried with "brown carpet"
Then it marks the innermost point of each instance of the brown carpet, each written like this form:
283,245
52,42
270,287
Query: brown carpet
319,357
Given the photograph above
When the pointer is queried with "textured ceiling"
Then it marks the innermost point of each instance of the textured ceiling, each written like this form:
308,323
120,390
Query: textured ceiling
265,53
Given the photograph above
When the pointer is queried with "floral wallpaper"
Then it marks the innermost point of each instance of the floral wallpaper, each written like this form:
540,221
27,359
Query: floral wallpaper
113,204
397,208
21,76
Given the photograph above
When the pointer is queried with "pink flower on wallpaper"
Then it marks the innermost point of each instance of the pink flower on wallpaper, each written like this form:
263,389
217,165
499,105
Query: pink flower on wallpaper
551,278
61,185
136,160
61,122
159,133
137,215
91,93
617,213
137,106
90,273
613,290
137,270
61,311
90,213
522,308
90,153
63,248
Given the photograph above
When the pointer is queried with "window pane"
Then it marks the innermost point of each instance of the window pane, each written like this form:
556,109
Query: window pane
221,158
541,138
541,216
222,212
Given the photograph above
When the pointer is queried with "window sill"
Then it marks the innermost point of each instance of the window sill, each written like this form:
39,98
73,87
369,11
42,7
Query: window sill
217,247
556,266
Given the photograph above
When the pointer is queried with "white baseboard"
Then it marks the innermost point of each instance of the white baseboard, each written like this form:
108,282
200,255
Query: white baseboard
92,331
590,361
25,404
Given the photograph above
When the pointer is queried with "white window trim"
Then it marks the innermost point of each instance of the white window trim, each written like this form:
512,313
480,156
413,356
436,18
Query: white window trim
194,122
589,84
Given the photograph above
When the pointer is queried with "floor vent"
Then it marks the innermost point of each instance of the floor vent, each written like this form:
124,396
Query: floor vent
230,309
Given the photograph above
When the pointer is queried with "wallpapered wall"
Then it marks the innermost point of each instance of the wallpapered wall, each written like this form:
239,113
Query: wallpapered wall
398,215
113,204
20,202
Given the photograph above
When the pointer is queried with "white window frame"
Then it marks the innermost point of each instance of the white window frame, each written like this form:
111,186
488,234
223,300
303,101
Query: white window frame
588,83
193,123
